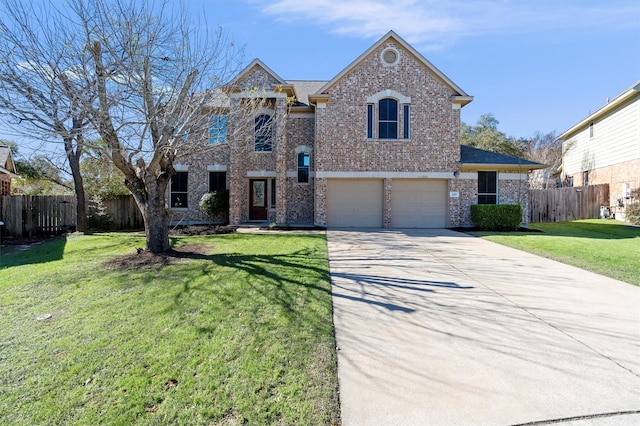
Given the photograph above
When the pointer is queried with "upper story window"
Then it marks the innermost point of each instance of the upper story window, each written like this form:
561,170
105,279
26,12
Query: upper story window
388,115
303,167
263,133
218,129
388,119
487,187
591,129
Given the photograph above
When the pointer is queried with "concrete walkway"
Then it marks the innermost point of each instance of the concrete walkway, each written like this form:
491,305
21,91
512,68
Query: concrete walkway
436,327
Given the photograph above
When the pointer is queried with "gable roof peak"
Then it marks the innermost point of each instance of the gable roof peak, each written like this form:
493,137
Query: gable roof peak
406,46
257,63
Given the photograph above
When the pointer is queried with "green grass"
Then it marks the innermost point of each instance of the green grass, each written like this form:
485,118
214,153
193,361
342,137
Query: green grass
239,335
606,247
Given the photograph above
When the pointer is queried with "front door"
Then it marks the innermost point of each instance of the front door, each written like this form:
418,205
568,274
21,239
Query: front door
258,199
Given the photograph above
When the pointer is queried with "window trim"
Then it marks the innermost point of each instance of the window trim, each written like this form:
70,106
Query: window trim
388,121
406,121
373,112
486,193
307,155
184,173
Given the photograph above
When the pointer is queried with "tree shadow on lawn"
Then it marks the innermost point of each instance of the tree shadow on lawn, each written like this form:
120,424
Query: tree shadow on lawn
290,290
27,253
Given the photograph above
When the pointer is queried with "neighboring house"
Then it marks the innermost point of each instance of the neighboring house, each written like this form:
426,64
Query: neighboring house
7,170
376,146
605,147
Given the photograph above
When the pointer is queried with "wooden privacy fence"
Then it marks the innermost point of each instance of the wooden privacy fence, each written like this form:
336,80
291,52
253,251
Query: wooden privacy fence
32,215
564,204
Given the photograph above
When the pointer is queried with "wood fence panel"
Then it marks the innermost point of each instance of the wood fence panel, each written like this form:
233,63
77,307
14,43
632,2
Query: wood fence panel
124,213
565,204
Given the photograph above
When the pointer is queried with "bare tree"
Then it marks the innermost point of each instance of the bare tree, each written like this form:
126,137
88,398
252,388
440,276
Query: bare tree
545,149
39,62
156,73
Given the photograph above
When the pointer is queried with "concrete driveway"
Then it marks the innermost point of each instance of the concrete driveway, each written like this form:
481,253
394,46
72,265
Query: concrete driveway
436,327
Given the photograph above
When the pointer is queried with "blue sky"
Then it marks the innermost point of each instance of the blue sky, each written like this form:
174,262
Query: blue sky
537,65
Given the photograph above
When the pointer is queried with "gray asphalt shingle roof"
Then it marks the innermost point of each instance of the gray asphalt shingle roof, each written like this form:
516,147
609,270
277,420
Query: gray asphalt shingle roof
471,155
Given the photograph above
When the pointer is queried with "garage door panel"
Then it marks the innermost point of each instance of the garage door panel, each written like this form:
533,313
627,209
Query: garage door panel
354,203
419,203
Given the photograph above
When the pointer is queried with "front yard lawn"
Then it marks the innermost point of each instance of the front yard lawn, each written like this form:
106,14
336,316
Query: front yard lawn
235,329
607,247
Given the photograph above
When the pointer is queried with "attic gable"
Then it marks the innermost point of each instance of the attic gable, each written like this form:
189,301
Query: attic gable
460,97
259,75
7,164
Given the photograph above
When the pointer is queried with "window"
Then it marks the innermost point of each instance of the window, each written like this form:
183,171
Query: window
273,194
388,119
487,188
406,119
303,167
218,129
370,121
591,129
585,178
263,133
217,181
178,191
388,115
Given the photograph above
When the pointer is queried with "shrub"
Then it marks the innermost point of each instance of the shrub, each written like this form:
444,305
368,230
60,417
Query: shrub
97,217
215,204
497,217
632,213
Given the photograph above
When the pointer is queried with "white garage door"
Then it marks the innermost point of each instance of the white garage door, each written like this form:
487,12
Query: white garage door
354,203
418,203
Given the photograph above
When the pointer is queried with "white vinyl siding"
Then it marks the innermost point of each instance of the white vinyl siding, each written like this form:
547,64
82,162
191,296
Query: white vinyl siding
616,139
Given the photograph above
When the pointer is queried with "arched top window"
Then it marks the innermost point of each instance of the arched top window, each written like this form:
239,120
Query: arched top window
388,119
388,115
263,133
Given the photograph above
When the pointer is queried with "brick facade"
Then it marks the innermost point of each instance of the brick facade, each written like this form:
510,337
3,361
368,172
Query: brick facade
331,126
615,175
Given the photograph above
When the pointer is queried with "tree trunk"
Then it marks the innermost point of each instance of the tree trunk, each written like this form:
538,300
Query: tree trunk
156,221
78,186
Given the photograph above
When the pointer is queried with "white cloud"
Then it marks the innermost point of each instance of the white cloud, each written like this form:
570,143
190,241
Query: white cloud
433,24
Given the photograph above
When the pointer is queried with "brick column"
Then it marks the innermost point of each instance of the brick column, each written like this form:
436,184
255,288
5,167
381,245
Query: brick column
386,220
280,147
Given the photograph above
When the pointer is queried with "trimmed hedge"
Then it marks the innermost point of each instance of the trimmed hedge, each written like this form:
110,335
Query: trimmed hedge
497,217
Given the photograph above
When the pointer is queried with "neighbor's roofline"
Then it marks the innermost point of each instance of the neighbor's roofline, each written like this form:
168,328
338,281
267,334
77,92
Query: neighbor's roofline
609,106
13,175
494,166
392,35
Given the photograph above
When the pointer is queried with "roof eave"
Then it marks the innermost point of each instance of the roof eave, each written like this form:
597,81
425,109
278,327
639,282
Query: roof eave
494,166
616,102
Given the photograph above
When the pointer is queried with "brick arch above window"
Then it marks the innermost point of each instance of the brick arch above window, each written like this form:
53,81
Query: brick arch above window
302,148
389,93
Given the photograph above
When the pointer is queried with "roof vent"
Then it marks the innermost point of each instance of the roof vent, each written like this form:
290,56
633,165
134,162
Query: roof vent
390,56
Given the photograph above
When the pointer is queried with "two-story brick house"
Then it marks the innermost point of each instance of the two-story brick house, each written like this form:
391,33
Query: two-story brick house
376,146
